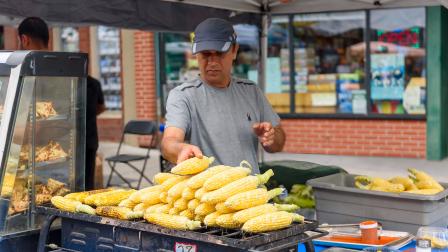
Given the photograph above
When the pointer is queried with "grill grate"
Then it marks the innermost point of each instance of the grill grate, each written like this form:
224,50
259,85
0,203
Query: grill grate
226,237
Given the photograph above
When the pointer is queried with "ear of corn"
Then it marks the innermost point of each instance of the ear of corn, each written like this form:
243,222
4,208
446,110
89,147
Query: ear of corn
210,219
241,185
71,205
192,204
113,199
163,196
197,181
406,182
192,166
176,190
424,191
226,221
199,218
204,209
137,196
172,221
164,209
187,213
251,198
223,209
161,177
173,211
181,204
152,209
199,193
80,196
90,200
225,177
423,180
249,213
287,207
121,213
171,200
141,207
127,203
173,181
271,221
151,198
188,193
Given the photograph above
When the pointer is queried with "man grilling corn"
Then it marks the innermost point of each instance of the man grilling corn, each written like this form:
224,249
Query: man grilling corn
217,114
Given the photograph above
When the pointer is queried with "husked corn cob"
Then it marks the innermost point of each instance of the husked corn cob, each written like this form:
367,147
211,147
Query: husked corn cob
225,177
181,204
127,203
90,200
226,221
406,182
249,213
199,193
172,181
113,199
271,221
204,209
171,200
141,207
192,166
210,219
197,181
121,213
223,209
187,213
239,186
163,196
192,204
173,211
172,221
251,198
152,209
80,196
188,193
199,218
137,196
71,205
176,190
164,209
161,177
424,191
151,198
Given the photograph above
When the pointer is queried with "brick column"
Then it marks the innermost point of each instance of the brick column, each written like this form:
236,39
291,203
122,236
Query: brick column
145,78
10,37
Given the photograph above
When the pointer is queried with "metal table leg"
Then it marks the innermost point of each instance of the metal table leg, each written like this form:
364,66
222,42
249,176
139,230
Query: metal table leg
45,229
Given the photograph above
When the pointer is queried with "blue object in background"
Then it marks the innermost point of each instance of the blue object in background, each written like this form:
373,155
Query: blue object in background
162,127
301,247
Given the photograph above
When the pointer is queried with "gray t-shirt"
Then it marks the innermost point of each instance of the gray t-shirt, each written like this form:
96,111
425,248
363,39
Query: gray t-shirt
219,120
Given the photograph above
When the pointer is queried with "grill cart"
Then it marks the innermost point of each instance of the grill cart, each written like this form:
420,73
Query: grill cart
82,232
42,135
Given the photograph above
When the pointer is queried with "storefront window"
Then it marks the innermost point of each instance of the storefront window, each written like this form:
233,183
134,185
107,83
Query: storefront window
329,52
110,66
398,68
277,65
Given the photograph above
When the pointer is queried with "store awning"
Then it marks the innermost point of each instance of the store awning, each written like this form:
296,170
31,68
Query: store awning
307,6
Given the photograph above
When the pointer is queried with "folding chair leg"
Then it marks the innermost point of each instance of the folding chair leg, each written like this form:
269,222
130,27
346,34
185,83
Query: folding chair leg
118,174
112,168
142,174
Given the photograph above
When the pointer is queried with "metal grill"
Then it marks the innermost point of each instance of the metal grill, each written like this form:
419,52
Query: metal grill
212,238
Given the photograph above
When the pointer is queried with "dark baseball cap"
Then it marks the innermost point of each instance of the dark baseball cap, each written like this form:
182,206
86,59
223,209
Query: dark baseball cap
213,34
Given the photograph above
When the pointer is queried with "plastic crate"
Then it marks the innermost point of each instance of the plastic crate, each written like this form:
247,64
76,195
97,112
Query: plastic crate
290,172
338,201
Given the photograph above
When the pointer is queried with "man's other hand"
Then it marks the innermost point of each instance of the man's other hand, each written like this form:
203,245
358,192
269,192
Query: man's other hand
265,133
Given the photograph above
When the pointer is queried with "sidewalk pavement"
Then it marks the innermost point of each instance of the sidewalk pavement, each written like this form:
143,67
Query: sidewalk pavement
372,166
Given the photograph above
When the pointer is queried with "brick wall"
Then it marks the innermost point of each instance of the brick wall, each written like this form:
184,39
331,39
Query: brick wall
145,78
110,129
10,38
392,138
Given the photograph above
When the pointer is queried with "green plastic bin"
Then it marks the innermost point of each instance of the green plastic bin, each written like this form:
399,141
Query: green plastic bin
290,172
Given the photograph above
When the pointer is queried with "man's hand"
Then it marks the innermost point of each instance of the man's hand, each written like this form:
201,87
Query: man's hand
265,133
188,151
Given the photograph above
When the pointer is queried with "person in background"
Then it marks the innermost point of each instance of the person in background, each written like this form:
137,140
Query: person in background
33,35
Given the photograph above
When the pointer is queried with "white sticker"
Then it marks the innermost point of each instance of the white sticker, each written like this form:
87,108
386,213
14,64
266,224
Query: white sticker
185,247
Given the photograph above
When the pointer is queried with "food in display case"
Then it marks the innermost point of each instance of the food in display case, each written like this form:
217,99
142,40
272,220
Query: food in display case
49,152
45,110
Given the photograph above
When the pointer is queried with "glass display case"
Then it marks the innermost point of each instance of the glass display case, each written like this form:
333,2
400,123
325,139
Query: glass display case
42,132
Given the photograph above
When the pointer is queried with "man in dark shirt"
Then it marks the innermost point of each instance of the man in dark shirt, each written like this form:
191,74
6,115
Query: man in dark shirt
34,35
95,106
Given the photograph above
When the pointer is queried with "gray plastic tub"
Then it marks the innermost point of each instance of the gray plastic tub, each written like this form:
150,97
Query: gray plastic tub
338,201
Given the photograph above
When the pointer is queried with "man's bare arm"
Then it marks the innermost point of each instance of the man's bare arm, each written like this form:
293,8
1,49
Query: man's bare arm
174,149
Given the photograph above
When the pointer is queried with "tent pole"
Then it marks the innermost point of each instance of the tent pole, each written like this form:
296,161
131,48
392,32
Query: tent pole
262,67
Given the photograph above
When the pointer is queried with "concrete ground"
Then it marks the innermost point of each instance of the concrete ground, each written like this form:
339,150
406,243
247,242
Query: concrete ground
373,166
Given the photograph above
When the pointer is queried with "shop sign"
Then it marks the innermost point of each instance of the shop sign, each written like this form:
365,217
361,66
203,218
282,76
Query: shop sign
405,37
